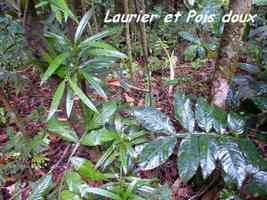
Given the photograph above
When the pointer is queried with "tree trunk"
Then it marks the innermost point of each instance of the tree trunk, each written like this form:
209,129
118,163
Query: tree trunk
228,54
33,29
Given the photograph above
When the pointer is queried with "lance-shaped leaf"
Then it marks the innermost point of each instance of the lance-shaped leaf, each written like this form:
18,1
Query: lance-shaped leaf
108,110
69,101
204,116
40,188
62,129
54,66
84,21
153,120
236,123
86,169
107,53
98,137
95,84
156,153
233,161
183,112
56,99
82,96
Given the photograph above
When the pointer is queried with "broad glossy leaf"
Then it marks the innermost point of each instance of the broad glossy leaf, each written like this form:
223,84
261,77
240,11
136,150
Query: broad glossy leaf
54,65
154,120
188,158
98,137
203,114
189,37
233,161
84,21
219,120
236,123
95,83
62,129
40,188
156,153
68,195
82,96
56,99
183,112
86,169
69,101
196,151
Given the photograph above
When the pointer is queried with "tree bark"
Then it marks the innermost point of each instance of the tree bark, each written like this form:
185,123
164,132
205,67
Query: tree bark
228,54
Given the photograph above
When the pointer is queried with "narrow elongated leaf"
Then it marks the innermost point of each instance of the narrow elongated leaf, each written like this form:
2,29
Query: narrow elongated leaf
40,188
108,110
156,153
62,129
183,112
84,21
96,37
95,84
69,101
56,99
82,96
86,169
204,115
54,66
98,137
107,53
233,161
154,120
236,123
103,193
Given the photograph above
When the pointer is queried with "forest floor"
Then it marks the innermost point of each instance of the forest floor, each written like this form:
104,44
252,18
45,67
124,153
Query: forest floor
34,96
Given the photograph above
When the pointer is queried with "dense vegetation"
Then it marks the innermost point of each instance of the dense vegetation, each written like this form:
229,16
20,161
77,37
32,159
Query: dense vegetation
132,111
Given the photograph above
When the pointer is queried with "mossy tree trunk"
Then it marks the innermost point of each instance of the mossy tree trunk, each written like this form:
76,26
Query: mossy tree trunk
228,54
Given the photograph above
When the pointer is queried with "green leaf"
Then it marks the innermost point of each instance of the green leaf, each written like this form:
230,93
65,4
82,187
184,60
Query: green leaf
98,137
190,53
107,53
233,161
95,84
250,68
40,188
194,152
188,158
156,153
54,65
56,99
62,129
84,21
107,158
219,120
82,96
183,112
67,195
86,169
108,110
69,102
236,123
189,37
204,114
257,187
96,37
154,120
